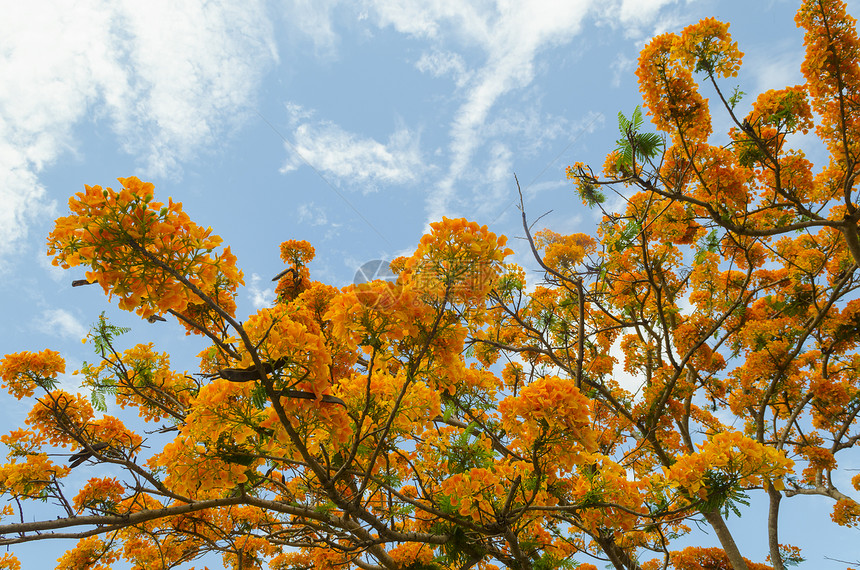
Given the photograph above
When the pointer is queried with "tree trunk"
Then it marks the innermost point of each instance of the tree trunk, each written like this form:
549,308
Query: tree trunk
773,527
619,558
728,543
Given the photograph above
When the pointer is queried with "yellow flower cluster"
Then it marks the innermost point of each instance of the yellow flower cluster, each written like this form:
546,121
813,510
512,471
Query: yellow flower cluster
91,553
21,372
138,250
832,71
551,410
99,494
746,461
458,259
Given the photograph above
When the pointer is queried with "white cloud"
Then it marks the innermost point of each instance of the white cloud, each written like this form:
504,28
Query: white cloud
195,66
312,214
167,77
631,382
623,66
56,273
331,150
22,198
312,19
260,296
500,162
635,13
443,63
61,323
511,33
774,68
526,124
425,19
638,18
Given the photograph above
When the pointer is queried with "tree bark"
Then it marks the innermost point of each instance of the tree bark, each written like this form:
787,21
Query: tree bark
773,527
726,540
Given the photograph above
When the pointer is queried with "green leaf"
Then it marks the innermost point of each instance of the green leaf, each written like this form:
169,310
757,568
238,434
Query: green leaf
628,234
589,193
736,97
259,398
634,145
102,334
710,243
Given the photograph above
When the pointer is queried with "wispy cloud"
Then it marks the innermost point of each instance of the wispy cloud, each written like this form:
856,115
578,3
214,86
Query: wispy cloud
623,66
780,67
511,34
60,323
167,78
639,18
261,295
349,158
444,63
312,214
312,19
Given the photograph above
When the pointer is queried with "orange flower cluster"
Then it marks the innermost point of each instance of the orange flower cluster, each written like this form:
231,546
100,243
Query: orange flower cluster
564,253
411,553
296,278
151,256
57,415
699,558
142,379
832,71
707,46
665,76
670,93
99,494
377,313
458,260
21,372
744,460
846,512
479,493
419,404
551,410
277,335
91,553
9,561
30,478
786,110
723,182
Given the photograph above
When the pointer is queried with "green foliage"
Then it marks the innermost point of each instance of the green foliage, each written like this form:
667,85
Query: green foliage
708,244
461,547
629,232
635,146
549,562
462,456
736,97
750,153
259,398
790,557
102,336
724,493
589,193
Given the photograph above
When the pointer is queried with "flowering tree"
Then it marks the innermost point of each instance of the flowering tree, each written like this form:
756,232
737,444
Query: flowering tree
730,278
456,418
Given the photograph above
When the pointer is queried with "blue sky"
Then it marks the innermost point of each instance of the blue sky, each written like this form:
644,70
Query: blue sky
349,124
